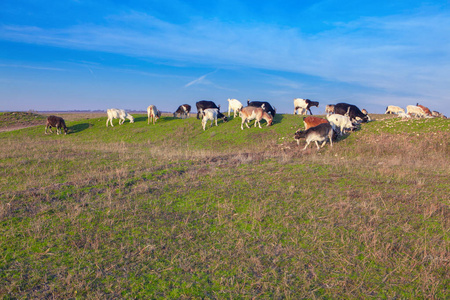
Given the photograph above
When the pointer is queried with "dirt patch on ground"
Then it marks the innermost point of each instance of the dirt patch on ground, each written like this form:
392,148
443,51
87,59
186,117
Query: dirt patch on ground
18,120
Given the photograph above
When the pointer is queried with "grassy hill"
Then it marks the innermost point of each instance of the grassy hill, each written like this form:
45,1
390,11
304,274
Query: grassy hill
172,211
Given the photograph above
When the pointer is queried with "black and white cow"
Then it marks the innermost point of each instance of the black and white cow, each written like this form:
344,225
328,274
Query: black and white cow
267,107
352,111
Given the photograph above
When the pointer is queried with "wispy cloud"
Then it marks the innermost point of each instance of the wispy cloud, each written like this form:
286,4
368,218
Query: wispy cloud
31,67
200,80
399,54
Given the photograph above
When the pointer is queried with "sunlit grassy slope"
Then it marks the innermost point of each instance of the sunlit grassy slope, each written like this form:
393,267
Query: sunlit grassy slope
172,211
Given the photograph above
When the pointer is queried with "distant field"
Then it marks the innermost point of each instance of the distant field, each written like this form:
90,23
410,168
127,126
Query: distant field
172,211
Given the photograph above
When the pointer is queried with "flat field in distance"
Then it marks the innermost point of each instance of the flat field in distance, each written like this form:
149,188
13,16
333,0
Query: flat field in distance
172,211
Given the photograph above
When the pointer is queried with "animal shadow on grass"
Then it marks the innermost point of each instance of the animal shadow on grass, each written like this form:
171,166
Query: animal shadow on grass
277,119
79,127
140,119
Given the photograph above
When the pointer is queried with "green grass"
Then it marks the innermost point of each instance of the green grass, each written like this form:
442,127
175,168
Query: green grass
172,211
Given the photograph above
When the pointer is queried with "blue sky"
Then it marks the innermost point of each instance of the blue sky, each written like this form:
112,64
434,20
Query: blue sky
89,55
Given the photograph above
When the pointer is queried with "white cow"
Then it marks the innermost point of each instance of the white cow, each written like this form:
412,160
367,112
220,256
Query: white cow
114,113
340,123
234,105
392,109
209,114
415,110
153,113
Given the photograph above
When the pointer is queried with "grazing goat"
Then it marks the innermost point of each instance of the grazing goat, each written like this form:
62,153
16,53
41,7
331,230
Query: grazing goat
318,134
304,106
425,110
114,113
183,110
329,109
267,107
313,121
153,114
403,115
54,121
209,114
437,114
415,110
340,123
204,104
254,113
392,109
351,110
234,105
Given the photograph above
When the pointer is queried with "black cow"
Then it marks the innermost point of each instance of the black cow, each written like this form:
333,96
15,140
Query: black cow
351,110
204,104
183,110
267,107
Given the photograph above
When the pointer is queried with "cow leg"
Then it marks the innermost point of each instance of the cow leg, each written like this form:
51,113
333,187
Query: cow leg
215,120
246,123
317,144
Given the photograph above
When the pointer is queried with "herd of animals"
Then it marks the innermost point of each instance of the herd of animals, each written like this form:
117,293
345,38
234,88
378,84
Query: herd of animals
340,118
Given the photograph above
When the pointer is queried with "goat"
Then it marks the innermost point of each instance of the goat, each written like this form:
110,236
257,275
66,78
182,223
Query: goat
153,114
329,109
304,105
351,110
114,113
319,133
257,113
415,110
313,122
426,110
58,122
209,114
234,105
183,110
392,109
340,123
267,107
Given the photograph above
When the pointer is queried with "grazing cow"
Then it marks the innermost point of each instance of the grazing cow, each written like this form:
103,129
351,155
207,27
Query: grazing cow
267,107
153,114
183,110
340,123
304,106
415,110
425,110
351,110
210,114
204,104
114,113
254,113
234,105
329,109
313,121
320,133
392,109
54,121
